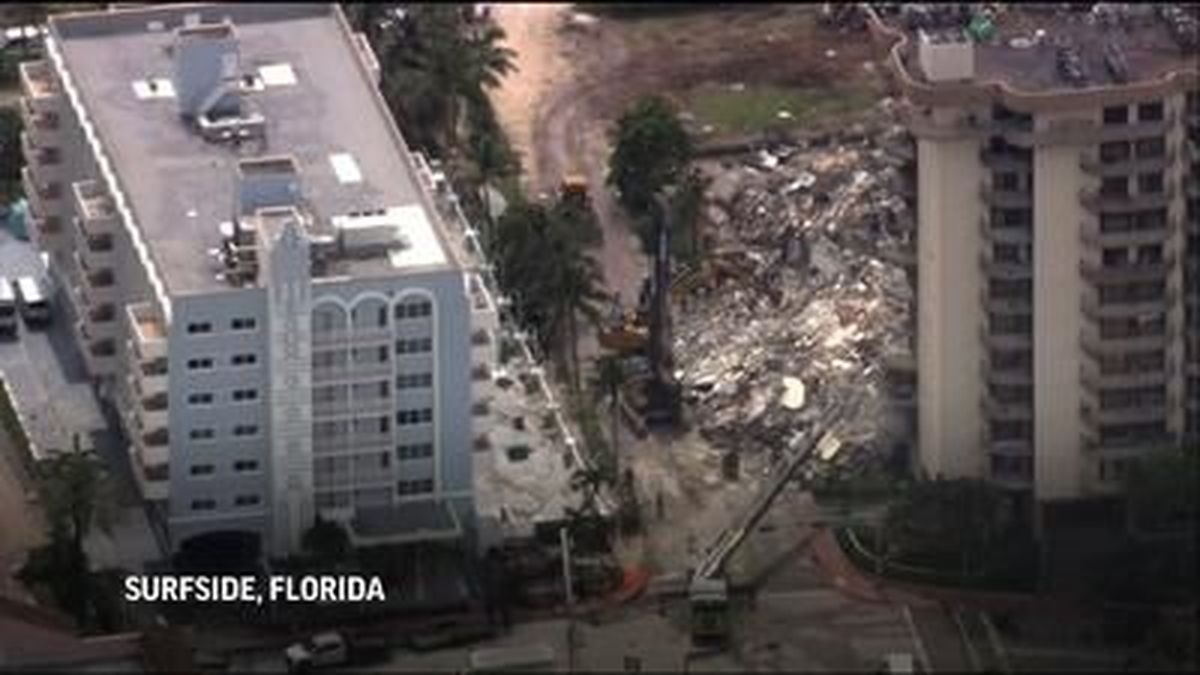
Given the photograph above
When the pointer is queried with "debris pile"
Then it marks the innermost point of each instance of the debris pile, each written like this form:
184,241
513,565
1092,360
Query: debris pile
802,294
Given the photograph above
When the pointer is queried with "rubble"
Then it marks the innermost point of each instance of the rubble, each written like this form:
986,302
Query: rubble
808,300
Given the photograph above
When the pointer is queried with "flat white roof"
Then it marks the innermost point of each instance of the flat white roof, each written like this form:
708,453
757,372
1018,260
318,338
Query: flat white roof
423,248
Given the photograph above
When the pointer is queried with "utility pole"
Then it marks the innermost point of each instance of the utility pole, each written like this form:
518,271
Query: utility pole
565,540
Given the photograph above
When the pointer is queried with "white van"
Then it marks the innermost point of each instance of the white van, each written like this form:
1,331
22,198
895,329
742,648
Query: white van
8,308
34,305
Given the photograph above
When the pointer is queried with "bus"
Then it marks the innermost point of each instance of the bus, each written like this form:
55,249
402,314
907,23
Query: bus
34,305
8,309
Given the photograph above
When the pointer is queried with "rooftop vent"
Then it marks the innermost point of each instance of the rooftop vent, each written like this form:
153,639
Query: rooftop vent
208,82
946,56
370,232
267,181
1114,58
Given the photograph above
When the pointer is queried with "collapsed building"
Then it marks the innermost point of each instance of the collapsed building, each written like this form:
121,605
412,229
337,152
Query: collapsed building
803,300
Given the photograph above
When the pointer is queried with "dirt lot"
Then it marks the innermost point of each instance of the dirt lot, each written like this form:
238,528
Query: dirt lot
729,69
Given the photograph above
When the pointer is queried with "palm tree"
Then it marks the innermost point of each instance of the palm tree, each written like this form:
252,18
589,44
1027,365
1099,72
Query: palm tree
578,292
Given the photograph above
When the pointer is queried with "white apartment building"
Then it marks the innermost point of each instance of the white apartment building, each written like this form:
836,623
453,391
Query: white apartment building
261,272
1057,244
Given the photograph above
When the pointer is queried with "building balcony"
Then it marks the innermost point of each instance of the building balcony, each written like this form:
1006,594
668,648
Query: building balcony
153,479
39,85
1004,198
43,127
1008,447
43,198
1094,416
1095,201
99,285
96,209
1004,161
94,251
1006,376
152,412
45,162
100,322
1097,273
1093,238
922,124
356,336
100,354
44,230
155,443
1006,304
1005,340
150,378
147,333
1094,381
1096,310
352,371
1004,235
1092,164
351,443
1136,130
998,269
994,408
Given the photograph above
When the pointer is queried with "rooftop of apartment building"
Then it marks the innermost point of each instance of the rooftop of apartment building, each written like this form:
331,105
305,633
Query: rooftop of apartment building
1042,48
263,81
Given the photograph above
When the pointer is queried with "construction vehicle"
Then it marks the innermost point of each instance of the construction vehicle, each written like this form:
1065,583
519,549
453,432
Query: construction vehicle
573,186
708,588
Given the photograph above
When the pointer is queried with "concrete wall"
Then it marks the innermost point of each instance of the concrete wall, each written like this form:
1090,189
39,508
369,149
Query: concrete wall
225,484
1057,292
949,314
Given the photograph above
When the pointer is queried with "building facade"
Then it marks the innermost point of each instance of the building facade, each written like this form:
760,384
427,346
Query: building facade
262,277
1057,331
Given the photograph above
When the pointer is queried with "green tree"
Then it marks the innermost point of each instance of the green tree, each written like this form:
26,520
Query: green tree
948,519
651,150
77,496
1161,491
11,159
327,542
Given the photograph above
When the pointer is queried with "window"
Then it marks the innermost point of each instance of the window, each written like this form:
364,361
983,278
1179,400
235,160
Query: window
414,487
245,465
1116,151
1150,112
199,328
1150,254
242,430
1150,183
243,323
202,469
204,504
243,395
414,345
414,310
1012,253
202,434
1007,181
248,359
1114,399
414,380
247,500
1150,148
385,460
1012,430
1116,222
416,416
1011,324
203,363
1116,115
1012,218
414,451
201,398
1150,220
1114,186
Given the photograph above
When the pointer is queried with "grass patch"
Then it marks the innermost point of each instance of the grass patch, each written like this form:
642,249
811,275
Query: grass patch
754,108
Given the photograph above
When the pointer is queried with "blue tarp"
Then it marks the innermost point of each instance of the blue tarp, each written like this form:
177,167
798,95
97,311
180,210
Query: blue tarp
15,221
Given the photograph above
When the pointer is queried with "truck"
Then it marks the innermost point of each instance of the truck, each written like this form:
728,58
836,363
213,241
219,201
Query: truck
8,309
31,296
333,648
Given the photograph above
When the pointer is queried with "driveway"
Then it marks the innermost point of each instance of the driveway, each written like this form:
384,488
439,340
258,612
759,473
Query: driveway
56,399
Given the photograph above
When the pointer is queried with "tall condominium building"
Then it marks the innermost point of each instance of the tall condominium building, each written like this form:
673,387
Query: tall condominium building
260,271
1057,186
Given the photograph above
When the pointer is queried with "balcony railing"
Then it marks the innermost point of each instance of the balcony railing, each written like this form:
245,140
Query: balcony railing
38,82
351,371
994,408
1005,340
1095,310
1095,201
1003,198
1004,235
1097,273
1004,269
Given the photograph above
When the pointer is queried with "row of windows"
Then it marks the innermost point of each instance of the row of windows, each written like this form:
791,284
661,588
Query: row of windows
208,433
329,320
239,501
1143,148
1118,186
237,395
414,380
414,487
207,362
414,345
414,451
1146,112
240,466
206,327
406,418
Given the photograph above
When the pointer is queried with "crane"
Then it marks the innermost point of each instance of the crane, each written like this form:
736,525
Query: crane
708,587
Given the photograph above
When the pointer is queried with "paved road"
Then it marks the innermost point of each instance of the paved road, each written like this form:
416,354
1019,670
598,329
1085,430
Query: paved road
57,400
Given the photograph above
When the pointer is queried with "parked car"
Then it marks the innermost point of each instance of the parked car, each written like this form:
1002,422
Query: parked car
8,308
332,648
31,299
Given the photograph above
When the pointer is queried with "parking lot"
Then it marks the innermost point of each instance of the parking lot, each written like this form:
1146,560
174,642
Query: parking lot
56,400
